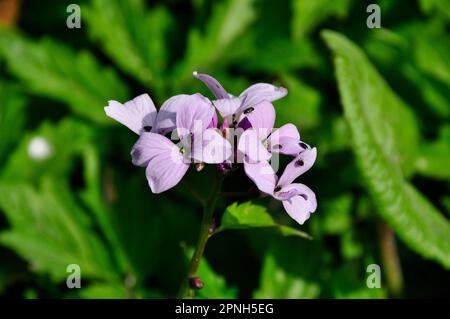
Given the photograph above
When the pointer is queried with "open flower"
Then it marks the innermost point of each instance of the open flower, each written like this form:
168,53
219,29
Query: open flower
140,115
298,200
259,140
168,162
233,109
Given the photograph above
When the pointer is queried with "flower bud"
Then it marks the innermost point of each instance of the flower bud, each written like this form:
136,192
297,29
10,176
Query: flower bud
196,283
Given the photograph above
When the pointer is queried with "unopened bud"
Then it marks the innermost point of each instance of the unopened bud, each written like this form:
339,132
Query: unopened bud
224,167
196,283
212,227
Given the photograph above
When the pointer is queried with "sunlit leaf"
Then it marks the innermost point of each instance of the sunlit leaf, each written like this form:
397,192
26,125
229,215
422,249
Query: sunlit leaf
307,15
132,35
50,68
384,139
222,34
51,231
248,215
12,118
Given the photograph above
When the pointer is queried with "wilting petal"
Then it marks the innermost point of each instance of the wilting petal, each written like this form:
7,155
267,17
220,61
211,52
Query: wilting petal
250,145
298,166
214,85
135,114
262,92
261,117
194,115
150,145
166,119
227,107
262,175
164,172
211,148
300,206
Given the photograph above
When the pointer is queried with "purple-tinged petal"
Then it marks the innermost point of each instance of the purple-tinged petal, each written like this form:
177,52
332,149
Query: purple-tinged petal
286,140
166,119
150,145
298,166
300,206
262,174
262,92
245,124
261,117
214,85
194,115
210,147
225,125
214,121
164,172
287,146
288,130
250,145
136,114
227,107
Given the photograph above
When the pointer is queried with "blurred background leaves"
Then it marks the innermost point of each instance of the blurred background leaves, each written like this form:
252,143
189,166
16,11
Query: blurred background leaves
375,102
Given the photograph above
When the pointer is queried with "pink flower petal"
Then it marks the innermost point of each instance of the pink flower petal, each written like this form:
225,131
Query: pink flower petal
298,166
166,119
300,206
250,145
194,115
262,175
262,92
135,114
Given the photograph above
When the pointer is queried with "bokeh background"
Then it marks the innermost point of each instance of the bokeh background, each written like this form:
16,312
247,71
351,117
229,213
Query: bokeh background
375,103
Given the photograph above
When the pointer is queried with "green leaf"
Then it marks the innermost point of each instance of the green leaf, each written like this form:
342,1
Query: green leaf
12,117
283,55
65,140
307,15
222,36
104,291
214,285
301,106
434,159
51,231
248,215
51,69
384,141
335,214
290,270
131,36
349,281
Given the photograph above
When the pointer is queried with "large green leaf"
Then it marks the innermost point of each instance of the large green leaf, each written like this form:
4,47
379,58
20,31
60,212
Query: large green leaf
51,231
12,117
132,36
50,68
384,141
248,215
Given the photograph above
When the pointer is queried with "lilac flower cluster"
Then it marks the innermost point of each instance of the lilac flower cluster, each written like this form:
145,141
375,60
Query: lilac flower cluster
245,137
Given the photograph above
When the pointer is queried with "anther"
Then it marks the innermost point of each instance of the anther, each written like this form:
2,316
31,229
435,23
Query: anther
249,110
